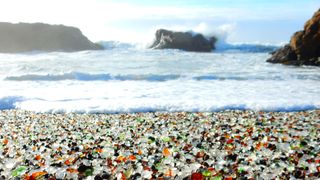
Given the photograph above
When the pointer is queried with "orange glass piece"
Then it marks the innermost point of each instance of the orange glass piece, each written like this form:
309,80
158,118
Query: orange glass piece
132,157
169,173
38,157
36,175
5,141
69,161
99,150
72,170
166,152
121,159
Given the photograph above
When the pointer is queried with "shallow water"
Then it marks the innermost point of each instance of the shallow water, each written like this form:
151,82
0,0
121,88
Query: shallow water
139,80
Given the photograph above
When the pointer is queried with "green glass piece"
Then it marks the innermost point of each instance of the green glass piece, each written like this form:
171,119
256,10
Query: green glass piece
19,171
240,170
88,172
140,120
206,173
219,177
166,139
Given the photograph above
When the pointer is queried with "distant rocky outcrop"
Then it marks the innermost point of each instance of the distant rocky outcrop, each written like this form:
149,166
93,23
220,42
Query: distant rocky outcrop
187,41
24,37
304,47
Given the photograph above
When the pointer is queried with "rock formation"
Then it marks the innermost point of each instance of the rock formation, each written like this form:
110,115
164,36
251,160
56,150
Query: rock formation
187,41
24,37
304,47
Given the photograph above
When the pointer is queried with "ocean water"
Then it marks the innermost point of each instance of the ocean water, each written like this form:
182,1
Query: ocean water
125,78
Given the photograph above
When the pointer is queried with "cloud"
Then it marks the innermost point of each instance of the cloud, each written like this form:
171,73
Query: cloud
110,19
75,11
204,28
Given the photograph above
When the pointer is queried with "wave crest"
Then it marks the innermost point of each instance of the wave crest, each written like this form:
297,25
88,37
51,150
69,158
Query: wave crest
108,45
221,46
119,106
78,76
245,47
9,102
91,77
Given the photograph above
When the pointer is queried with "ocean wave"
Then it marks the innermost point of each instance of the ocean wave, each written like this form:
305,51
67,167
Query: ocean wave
91,77
118,106
9,102
245,47
108,45
78,76
221,46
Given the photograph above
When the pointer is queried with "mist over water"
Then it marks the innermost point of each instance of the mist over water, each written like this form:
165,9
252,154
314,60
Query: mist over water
125,78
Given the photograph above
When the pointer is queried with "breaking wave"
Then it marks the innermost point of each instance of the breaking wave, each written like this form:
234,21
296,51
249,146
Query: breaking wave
78,76
91,77
220,46
245,47
83,106
9,102
108,45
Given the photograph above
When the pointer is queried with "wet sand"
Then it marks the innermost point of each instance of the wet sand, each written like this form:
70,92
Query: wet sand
221,145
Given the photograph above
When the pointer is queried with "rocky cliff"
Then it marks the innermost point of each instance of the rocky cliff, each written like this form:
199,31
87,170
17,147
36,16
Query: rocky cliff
24,37
187,41
304,46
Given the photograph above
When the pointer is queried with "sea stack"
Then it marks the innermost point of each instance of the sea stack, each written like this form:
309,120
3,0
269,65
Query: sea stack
304,46
187,41
24,37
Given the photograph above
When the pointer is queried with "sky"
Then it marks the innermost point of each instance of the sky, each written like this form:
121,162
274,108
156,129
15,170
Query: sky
251,21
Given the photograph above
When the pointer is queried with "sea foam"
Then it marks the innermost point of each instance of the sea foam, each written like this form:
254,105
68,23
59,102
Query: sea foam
140,80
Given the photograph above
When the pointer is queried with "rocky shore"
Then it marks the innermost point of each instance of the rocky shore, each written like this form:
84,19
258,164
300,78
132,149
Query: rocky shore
220,145
187,41
304,46
25,37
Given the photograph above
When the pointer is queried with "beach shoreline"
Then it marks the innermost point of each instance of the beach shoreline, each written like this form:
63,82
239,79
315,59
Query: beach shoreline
223,145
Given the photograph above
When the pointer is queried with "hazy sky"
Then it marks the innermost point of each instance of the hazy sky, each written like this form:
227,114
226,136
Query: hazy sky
268,21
